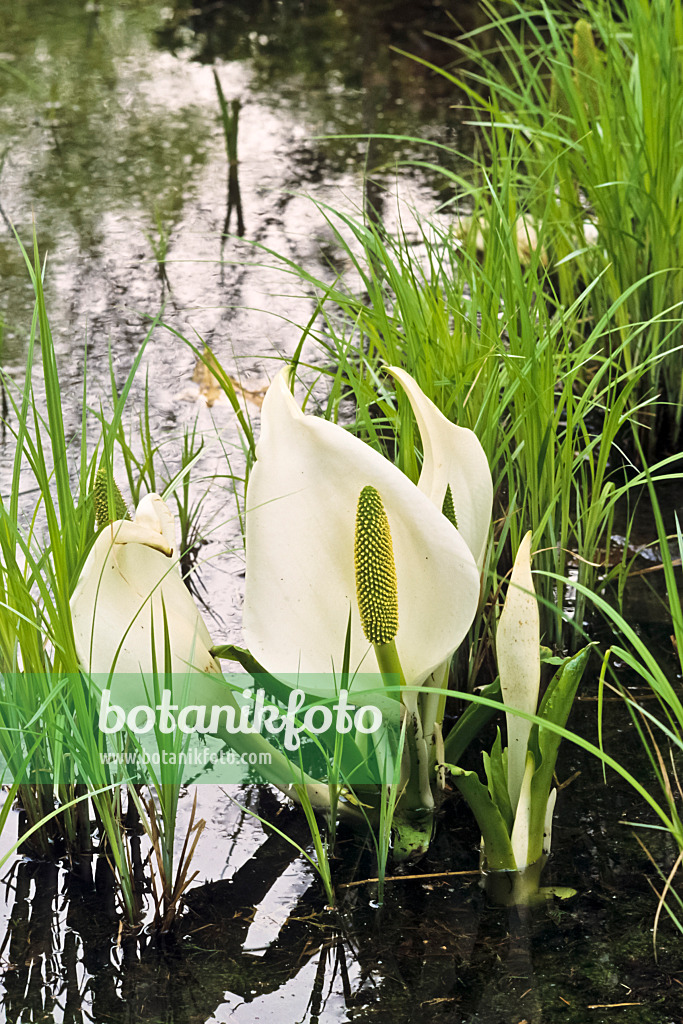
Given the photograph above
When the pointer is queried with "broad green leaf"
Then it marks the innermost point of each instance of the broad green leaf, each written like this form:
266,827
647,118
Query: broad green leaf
498,848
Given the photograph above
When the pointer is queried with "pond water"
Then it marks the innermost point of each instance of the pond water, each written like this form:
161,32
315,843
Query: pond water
255,942
111,143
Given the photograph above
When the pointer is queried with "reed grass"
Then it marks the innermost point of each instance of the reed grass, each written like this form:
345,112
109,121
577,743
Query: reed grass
594,109
664,728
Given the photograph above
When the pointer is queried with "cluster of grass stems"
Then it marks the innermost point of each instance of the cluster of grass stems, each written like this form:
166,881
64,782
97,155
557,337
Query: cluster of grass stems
48,711
560,347
585,117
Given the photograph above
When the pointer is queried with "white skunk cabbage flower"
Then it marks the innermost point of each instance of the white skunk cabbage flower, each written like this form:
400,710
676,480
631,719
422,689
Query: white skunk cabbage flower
303,547
130,579
519,663
455,470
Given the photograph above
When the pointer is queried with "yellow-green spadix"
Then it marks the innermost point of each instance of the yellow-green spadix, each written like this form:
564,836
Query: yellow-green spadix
130,578
376,588
301,524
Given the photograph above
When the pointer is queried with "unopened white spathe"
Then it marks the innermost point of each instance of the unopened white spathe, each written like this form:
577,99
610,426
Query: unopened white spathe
519,663
130,578
300,581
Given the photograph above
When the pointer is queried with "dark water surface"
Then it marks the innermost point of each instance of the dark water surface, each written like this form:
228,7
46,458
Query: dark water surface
110,138
255,942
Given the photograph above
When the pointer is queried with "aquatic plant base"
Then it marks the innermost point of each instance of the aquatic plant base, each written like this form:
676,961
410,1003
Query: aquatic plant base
412,834
521,888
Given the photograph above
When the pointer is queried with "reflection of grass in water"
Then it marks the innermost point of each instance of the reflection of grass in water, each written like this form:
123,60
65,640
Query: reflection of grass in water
159,245
229,120
332,66
432,942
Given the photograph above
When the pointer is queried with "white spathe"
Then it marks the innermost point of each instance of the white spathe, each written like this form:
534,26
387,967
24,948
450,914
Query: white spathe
452,456
519,662
300,581
131,576
519,839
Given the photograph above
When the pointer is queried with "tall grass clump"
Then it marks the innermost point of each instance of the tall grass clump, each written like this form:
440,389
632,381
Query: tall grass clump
38,566
42,689
595,109
49,737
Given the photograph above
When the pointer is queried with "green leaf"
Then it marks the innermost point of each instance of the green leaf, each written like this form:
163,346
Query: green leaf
555,707
548,658
499,855
470,724
495,766
558,699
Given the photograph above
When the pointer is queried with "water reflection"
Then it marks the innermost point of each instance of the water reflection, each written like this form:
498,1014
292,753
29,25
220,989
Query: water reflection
66,955
110,130
260,945
326,56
